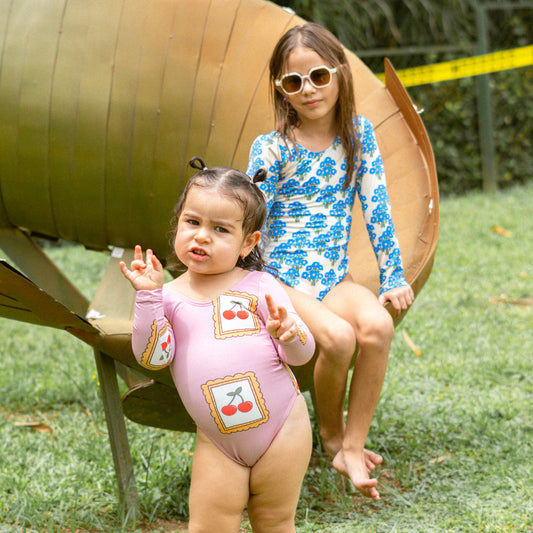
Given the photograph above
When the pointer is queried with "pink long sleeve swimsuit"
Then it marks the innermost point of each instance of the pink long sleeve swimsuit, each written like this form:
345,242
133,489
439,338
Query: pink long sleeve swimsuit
231,375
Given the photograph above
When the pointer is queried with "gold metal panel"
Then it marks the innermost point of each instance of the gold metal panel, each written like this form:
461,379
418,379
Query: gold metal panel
102,103
29,48
21,299
82,84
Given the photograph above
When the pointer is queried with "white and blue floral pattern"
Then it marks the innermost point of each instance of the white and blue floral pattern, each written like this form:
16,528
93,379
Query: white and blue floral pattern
309,214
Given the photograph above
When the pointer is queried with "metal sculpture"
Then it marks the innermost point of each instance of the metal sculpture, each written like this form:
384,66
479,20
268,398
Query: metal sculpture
102,103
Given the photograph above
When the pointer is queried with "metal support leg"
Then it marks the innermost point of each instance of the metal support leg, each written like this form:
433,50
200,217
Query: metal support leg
118,436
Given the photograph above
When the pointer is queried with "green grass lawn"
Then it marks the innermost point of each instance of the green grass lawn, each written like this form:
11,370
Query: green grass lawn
454,423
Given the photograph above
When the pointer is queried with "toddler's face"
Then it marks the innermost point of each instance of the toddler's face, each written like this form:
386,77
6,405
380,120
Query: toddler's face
209,237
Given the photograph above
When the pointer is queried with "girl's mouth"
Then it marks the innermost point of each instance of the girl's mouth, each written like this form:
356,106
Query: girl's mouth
198,252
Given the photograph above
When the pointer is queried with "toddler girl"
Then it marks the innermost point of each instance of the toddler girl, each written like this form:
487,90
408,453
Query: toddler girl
228,331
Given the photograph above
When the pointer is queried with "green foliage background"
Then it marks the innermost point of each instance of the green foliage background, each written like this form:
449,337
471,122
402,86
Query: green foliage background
419,32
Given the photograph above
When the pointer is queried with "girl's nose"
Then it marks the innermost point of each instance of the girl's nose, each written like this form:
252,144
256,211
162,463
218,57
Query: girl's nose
201,235
307,86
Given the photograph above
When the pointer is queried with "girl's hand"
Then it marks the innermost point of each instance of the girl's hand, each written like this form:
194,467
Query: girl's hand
280,324
144,276
401,298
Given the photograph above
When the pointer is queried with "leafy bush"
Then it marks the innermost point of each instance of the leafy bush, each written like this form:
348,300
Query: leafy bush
420,32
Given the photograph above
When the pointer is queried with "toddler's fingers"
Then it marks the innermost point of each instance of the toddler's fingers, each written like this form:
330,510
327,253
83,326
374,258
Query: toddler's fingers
288,334
138,253
137,264
156,263
272,309
282,314
124,269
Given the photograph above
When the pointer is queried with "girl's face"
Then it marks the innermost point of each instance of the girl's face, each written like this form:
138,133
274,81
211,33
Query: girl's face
209,237
311,104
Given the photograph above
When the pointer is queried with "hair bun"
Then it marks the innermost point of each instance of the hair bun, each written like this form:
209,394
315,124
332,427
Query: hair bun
259,176
197,163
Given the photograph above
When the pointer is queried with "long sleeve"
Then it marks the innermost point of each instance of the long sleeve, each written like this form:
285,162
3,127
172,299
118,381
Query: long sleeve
309,212
372,189
152,339
300,349
266,153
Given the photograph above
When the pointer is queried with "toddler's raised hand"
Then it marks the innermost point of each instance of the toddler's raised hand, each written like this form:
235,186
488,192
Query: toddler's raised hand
144,275
280,324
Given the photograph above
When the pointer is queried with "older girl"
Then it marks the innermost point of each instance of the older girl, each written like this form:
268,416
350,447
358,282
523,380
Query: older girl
319,156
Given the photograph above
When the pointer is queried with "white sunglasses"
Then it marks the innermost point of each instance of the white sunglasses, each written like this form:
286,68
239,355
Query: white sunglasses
293,82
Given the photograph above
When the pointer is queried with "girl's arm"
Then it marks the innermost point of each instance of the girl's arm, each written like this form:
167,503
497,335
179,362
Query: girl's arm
152,338
372,189
265,153
295,343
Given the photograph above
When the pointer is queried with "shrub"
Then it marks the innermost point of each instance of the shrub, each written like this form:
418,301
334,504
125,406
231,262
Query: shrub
431,32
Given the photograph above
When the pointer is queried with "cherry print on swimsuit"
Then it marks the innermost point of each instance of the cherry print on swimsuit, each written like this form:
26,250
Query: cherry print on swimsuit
158,349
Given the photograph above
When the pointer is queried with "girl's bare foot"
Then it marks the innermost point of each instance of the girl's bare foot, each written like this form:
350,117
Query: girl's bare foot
372,459
354,467
334,445
331,445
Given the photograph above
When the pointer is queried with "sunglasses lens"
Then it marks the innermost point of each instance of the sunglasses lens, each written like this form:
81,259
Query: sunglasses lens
292,84
320,77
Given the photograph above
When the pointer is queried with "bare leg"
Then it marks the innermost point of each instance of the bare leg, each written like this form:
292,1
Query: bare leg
374,330
219,490
276,479
335,340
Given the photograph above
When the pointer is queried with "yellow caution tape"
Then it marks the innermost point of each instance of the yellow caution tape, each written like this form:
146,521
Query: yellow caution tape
464,68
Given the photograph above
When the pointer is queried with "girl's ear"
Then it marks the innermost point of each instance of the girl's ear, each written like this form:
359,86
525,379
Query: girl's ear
249,243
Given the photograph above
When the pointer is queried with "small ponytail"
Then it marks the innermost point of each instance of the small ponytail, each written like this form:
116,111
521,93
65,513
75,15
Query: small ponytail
198,164
259,176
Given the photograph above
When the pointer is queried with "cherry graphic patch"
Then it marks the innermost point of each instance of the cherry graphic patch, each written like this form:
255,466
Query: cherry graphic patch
234,315
158,349
236,402
242,406
237,310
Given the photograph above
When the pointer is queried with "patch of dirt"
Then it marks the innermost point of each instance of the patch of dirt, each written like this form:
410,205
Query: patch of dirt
168,526
173,526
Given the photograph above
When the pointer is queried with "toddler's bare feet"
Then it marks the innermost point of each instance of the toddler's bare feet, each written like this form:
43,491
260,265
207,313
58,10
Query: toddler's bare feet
354,467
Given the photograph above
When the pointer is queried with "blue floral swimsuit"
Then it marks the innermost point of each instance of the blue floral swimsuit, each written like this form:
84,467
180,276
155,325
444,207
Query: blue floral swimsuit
309,214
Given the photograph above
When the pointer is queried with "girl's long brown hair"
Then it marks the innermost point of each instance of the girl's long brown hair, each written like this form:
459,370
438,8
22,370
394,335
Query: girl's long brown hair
327,46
